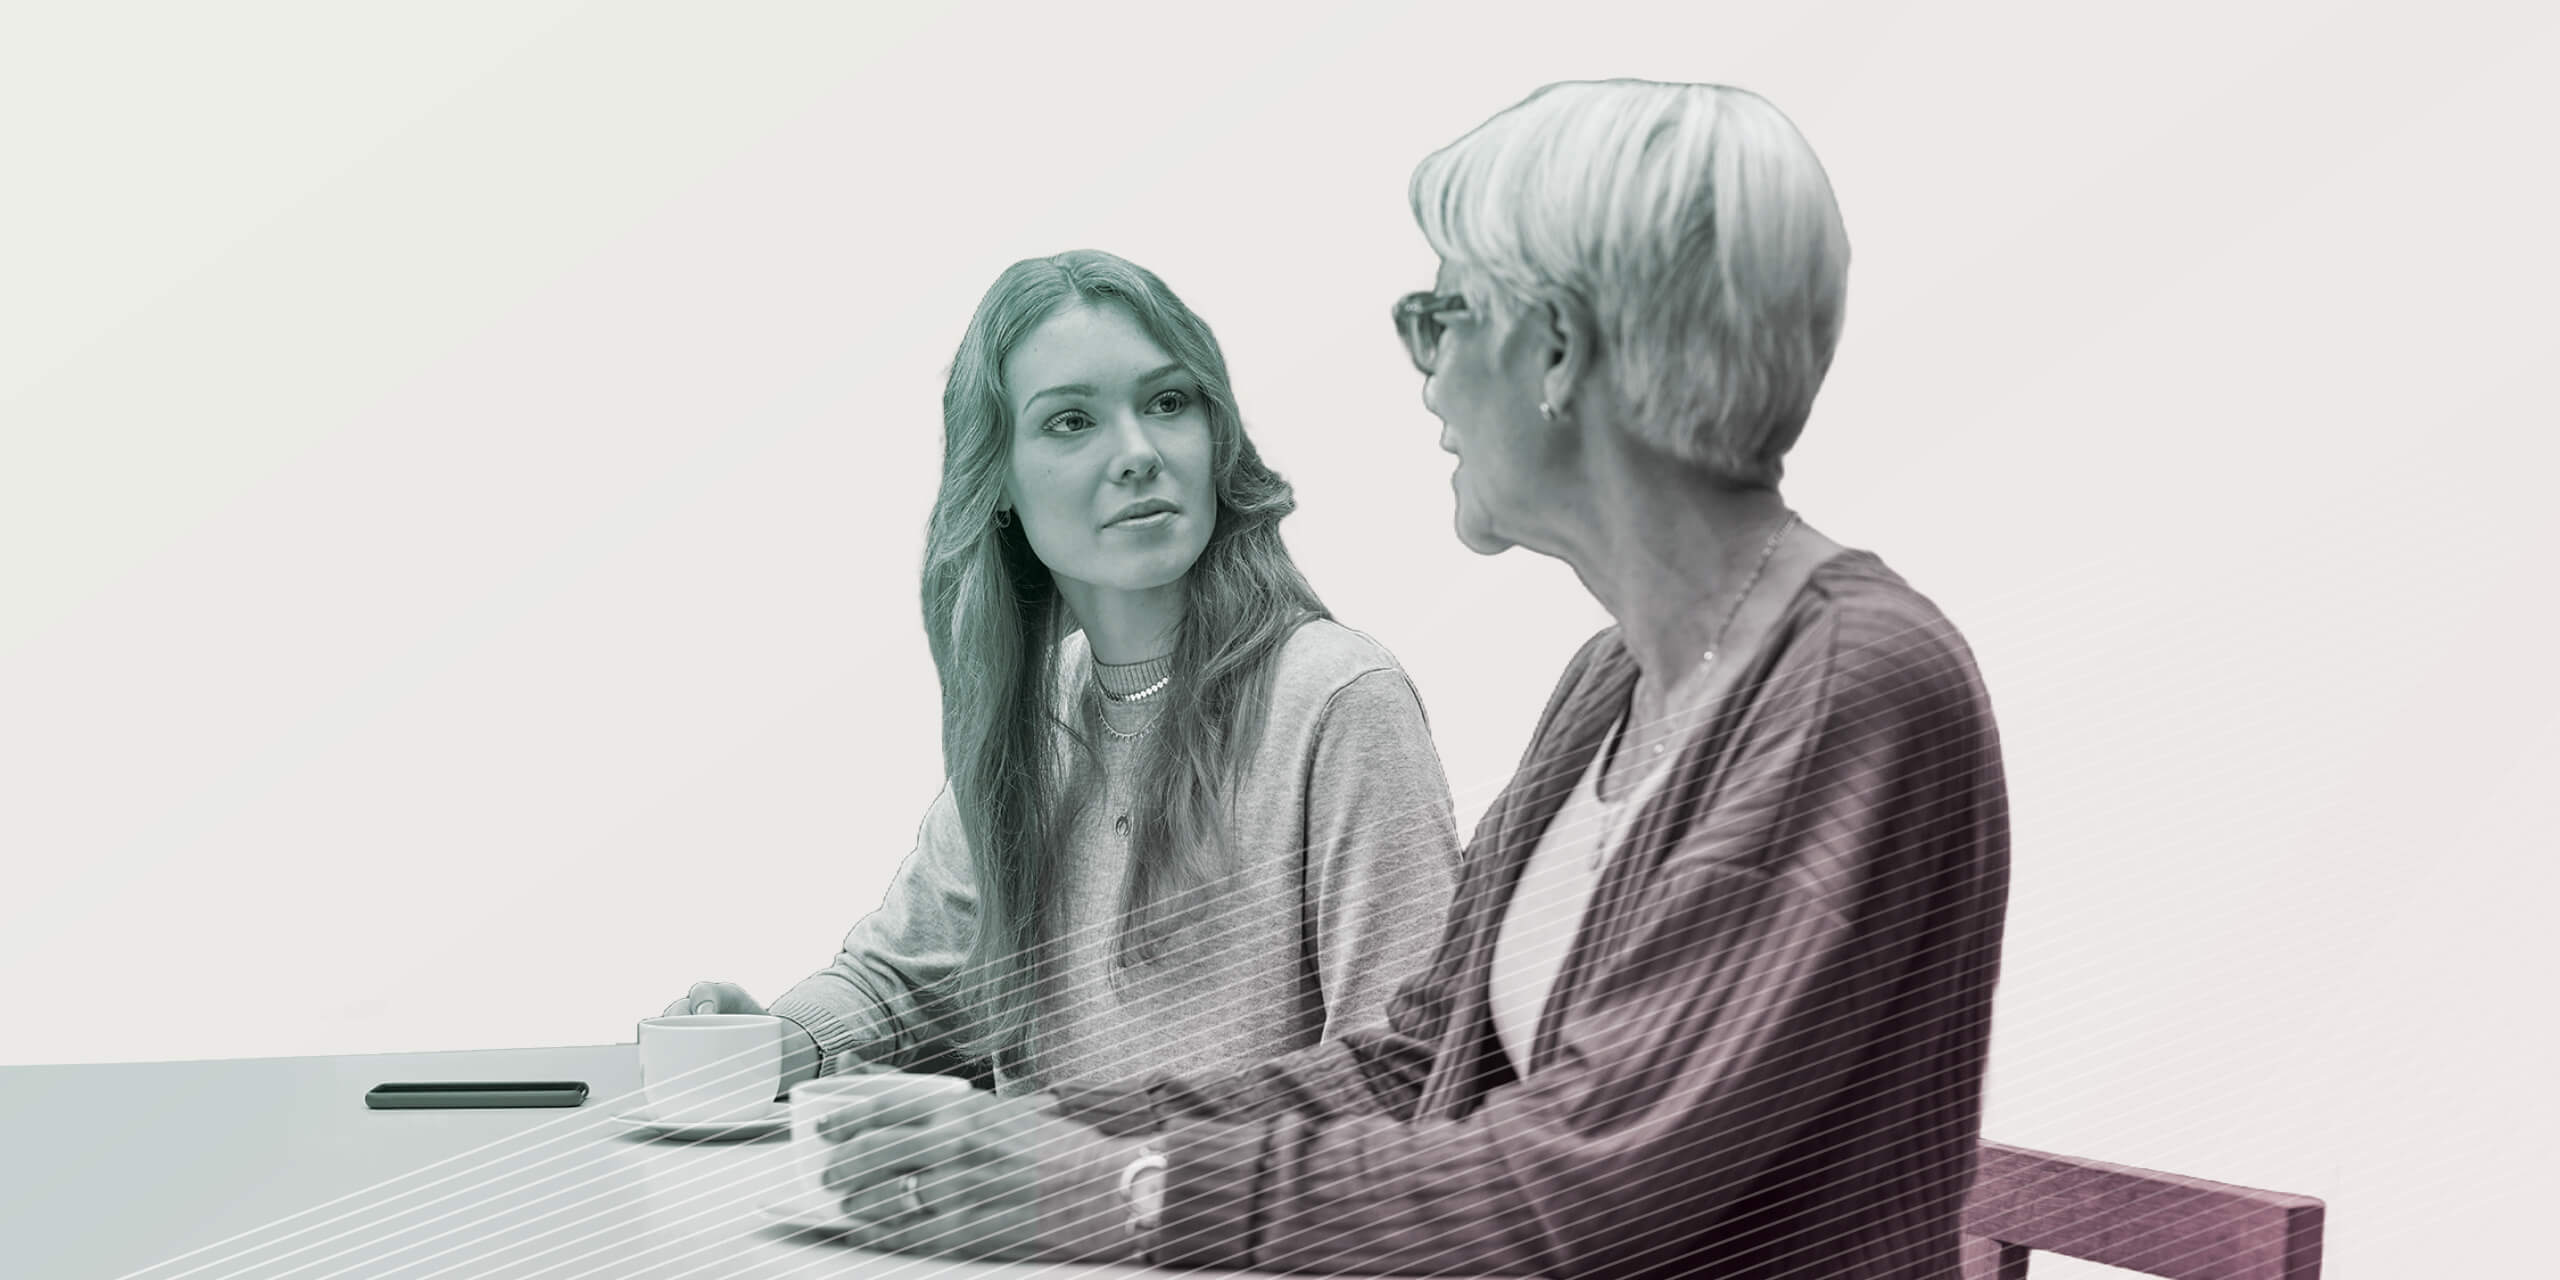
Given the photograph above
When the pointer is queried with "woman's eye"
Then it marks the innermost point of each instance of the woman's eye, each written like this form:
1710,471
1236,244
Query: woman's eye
1170,402
1071,420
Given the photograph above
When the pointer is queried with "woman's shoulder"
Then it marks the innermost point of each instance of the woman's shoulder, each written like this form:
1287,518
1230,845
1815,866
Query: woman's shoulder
1868,604
1329,680
1322,657
1325,670
1879,630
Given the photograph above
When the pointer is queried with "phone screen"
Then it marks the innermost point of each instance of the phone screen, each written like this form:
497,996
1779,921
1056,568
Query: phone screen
446,1095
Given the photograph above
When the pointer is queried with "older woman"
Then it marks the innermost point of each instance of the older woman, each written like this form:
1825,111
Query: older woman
1715,994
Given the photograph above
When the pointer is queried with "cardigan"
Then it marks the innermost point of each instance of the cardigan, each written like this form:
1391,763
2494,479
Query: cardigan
1765,1052
1346,856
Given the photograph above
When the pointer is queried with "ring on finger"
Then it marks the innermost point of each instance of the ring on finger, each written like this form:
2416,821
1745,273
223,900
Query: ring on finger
909,1203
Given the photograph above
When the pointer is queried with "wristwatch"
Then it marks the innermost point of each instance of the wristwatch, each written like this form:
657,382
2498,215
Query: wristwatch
1142,1190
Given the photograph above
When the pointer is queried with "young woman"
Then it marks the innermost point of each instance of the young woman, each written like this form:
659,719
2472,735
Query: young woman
1189,822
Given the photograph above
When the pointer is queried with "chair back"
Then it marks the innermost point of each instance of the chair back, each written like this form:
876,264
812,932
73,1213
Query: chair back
2159,1224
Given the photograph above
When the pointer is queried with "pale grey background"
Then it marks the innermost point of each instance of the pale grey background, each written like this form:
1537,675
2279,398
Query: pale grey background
498,436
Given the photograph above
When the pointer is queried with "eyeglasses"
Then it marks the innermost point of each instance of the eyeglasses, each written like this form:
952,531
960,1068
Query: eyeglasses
1418,320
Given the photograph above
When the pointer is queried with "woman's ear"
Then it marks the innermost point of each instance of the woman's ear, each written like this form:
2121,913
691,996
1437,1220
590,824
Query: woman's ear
1567,341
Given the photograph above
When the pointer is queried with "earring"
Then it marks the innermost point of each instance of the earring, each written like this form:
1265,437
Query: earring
1004,517
1547,410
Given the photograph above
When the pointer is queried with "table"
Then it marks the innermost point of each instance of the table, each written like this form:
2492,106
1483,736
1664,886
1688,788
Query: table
274,1167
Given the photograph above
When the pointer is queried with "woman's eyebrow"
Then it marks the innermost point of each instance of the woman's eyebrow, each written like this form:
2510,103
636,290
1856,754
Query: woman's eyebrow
1086,389
1062,389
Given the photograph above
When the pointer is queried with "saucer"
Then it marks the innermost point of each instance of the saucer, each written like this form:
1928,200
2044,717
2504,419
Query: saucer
776,1117
811,1211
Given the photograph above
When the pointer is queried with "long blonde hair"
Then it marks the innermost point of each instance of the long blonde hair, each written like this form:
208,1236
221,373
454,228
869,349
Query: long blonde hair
994,619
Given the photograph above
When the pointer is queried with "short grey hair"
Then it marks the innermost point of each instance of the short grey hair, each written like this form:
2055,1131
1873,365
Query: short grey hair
1688,227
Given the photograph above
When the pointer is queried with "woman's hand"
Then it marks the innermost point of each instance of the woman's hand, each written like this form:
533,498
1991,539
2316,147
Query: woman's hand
1003,1179
714,997
799,1049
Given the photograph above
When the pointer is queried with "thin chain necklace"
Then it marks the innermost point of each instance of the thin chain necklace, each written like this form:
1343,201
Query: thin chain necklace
1707,659
1767,549
1132,736
1102,716
1614,811
1102,713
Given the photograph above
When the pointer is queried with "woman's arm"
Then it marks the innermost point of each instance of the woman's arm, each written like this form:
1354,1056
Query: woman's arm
1373,1070
1796,1000
867,1006
1381,847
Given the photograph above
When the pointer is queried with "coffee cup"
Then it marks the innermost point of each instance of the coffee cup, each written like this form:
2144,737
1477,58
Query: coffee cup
815,1100
705,1068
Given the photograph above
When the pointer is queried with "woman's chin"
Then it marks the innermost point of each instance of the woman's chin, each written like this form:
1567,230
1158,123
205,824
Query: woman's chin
1479,539
1152,573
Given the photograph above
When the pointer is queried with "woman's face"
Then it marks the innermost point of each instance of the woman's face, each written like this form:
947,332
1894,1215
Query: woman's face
1110,472
1484,390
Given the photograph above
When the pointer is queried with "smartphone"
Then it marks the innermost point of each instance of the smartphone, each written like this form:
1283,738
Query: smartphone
476,1093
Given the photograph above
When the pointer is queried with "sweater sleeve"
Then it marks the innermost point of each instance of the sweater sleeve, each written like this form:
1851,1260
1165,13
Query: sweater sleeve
1776,976
1381,847
869,1006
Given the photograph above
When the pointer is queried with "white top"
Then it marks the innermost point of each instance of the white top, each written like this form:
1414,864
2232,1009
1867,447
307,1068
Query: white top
1554,891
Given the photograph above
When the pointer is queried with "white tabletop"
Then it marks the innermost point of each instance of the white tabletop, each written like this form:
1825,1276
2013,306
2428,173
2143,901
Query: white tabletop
275,1167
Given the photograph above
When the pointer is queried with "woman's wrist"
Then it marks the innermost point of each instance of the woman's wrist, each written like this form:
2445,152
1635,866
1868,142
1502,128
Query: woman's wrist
802,1058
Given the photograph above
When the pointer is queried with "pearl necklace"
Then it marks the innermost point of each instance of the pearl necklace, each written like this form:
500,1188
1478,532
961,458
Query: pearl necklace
1161,684
1126,671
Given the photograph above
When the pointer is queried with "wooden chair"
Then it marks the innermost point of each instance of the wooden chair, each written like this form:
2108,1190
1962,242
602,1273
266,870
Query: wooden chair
2159,1224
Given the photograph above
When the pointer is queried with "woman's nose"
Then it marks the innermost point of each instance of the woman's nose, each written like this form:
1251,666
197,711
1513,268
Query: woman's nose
1136,456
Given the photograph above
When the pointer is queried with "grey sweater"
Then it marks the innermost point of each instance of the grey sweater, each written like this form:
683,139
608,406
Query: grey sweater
1348,857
